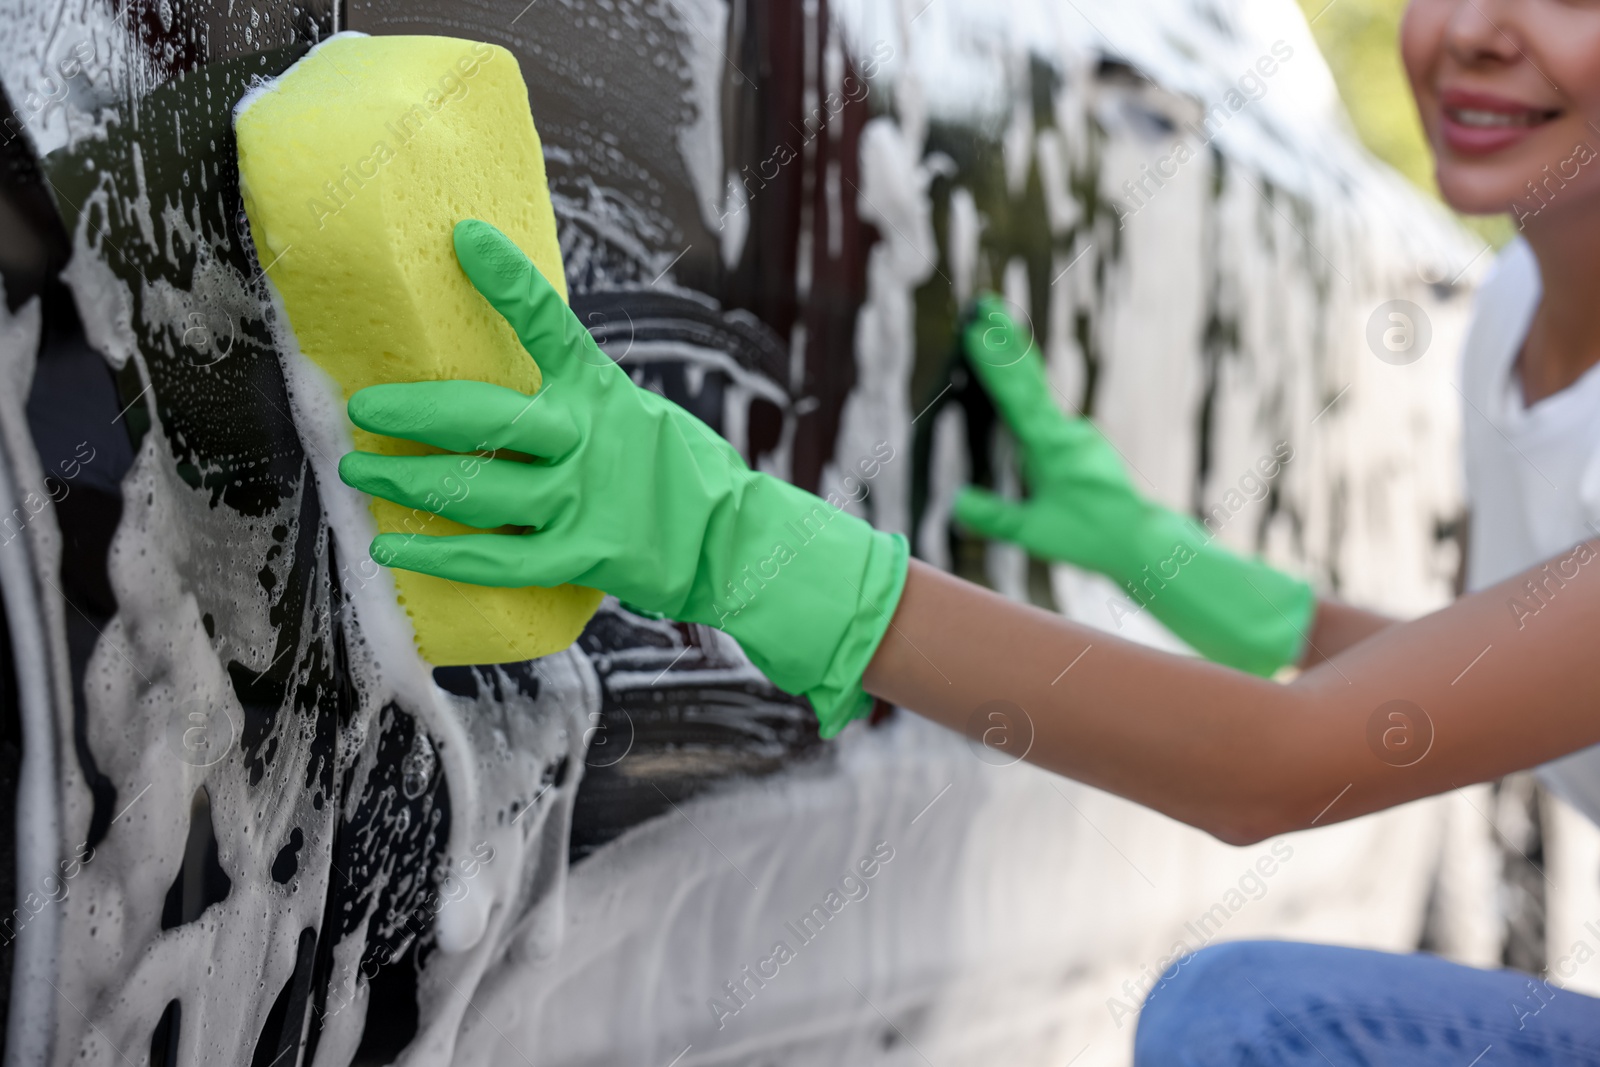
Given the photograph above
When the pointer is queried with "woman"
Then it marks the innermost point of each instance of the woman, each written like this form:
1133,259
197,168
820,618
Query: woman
630,494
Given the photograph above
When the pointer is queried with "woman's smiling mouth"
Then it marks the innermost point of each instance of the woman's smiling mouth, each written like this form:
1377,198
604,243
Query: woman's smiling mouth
1480,123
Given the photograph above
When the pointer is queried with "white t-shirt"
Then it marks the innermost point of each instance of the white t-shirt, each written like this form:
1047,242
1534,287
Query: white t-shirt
1533,473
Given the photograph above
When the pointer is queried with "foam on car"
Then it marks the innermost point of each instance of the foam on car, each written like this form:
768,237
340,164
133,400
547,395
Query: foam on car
355,165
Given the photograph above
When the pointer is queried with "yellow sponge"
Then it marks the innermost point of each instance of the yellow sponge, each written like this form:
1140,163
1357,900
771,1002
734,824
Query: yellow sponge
355,166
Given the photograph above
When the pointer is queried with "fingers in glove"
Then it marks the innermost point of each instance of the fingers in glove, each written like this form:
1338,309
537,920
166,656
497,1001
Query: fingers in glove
504,560
471,490
1007,362
466,416
989,515
514,287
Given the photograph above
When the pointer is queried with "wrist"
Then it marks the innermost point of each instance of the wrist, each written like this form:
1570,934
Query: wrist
807,590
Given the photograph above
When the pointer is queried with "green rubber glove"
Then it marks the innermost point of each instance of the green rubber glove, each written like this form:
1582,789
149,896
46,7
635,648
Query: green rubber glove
627,493
1084,510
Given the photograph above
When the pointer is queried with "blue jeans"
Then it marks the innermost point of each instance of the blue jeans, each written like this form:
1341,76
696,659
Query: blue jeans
1283,1004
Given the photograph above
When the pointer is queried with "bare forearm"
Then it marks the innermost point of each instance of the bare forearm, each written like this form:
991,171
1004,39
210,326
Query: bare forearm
1167,731
1237,755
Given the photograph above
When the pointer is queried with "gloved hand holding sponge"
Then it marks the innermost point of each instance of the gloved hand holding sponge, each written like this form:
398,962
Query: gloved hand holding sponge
626,492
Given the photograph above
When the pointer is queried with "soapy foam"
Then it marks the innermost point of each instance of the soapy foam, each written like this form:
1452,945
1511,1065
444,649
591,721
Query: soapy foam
157,660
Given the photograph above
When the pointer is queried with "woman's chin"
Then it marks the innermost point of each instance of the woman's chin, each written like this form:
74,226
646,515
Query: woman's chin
1477,194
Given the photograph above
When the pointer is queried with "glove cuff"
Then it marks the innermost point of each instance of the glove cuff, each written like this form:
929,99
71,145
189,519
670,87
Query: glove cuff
1272,626
1232,609
838,698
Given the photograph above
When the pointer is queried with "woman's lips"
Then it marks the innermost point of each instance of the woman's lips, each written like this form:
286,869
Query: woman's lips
1478,124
